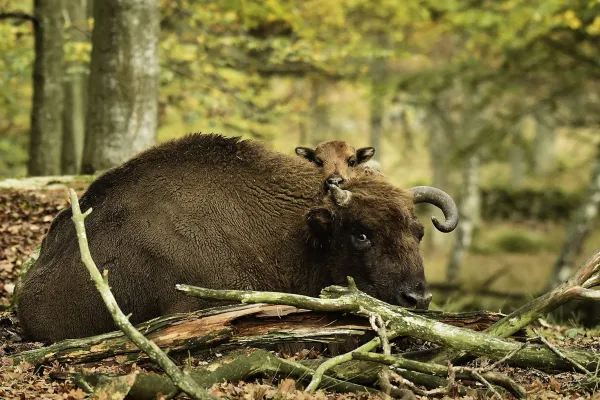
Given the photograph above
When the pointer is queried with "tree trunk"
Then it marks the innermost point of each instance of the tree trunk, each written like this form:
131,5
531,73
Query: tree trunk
74,92
319,111
122,106
377,106
438,154
579,228
46,109
544,155
469,210
517,158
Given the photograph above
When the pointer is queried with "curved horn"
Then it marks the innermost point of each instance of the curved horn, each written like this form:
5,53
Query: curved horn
340,197
440,199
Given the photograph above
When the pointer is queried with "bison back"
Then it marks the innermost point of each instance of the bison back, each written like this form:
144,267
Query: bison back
203,210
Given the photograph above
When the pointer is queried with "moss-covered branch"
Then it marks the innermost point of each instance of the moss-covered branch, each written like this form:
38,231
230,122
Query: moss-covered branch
441,371
410,324
236,367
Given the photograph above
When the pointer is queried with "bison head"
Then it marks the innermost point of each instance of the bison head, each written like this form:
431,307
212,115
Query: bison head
369,231
336,158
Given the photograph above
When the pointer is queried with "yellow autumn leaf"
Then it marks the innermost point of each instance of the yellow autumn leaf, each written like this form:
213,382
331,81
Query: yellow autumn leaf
594,27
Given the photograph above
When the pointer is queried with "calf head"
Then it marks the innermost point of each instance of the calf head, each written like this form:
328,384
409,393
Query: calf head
369,231
336,158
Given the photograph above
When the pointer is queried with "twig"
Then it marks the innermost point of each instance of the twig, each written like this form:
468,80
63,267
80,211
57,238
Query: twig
415,388
506,357
332,362
179,378
481,379
378,326
18,15
561,354
441,371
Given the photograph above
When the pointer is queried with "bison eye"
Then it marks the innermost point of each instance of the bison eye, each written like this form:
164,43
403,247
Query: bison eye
352,162
319,162
360,241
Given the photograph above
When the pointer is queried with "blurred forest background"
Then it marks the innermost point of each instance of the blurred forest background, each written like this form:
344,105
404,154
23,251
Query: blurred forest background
495,102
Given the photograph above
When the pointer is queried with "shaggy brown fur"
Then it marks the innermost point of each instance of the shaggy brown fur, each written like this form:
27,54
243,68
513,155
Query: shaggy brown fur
337,159
220,213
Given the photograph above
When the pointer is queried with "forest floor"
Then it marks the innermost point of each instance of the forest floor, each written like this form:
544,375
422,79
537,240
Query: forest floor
26,214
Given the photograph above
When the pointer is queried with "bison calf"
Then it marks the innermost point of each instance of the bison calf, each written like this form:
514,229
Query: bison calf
336,158
223,213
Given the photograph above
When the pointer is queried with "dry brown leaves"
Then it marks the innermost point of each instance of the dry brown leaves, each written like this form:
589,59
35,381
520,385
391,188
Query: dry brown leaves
24,220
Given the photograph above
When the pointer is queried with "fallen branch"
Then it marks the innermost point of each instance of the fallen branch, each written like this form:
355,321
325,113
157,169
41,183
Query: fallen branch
180,378
244,366
409,324
482,374
577,286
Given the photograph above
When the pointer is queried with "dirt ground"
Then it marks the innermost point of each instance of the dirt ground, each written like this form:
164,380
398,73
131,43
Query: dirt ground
25,216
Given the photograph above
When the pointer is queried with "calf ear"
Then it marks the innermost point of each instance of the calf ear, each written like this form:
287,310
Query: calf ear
364,154
320,221
306,152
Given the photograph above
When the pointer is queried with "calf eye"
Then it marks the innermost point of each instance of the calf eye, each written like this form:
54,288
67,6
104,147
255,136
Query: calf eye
319,162
352,162
360,241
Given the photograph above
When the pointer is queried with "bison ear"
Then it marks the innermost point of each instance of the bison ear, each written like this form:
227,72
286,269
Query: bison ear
319,222
306,152
364,154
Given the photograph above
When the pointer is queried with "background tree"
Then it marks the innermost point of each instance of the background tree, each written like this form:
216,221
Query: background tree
75,87
122,108
48,72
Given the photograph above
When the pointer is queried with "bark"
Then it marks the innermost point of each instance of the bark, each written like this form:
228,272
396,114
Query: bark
48,71
229,327
468,211
74,92
122,108
406,323
181,379
578,230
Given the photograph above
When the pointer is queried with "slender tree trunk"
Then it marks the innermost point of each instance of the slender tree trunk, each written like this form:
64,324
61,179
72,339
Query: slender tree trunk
122,107
46,111
468,210
517,158
438,154
377,106
579,228
319,111
74,91
545,145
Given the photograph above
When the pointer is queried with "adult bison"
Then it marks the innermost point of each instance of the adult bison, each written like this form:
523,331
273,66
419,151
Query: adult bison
230,214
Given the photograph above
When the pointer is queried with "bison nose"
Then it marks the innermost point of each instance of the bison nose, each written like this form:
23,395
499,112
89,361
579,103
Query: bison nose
419,301
335,180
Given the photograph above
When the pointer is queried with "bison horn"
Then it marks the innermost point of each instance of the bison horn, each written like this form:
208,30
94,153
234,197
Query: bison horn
439,198
340,197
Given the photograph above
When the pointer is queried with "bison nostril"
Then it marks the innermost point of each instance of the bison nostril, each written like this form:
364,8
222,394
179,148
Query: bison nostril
416,300
335,180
